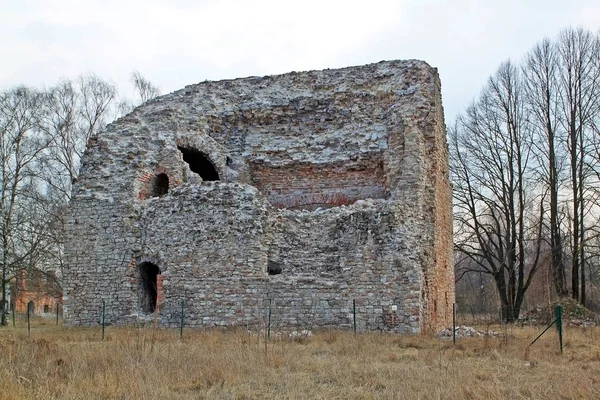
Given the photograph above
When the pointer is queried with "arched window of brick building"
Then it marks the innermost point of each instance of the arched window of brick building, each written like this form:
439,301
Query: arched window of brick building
160,185
147,284
200,164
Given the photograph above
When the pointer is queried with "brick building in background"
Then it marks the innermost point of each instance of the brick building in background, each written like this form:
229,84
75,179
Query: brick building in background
36,289
306,191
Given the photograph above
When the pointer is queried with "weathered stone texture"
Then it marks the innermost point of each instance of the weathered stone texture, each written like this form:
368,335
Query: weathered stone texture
335,182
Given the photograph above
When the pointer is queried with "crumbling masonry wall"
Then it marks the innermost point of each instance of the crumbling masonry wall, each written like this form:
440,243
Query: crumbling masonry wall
311,189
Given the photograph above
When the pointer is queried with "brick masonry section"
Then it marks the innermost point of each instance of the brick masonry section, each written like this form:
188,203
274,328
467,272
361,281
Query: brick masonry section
312,186
333,187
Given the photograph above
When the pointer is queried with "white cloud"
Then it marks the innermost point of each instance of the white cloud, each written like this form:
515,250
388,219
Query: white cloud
184,41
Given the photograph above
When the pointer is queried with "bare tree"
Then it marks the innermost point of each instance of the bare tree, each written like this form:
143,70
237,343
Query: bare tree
541,93
74,112
578,74
498,209
21,147
555,109
144,88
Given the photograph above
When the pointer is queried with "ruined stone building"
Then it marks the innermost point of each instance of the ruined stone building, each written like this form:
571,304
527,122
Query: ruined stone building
312,189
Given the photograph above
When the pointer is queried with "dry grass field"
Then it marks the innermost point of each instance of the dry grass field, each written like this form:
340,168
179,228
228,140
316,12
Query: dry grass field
143,363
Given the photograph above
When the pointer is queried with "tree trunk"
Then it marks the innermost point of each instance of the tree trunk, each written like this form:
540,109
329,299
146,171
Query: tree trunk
3,318
575,191
509,310
557,263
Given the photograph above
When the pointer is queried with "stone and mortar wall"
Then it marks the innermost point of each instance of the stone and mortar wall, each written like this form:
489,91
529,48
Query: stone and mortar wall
315,145
331,257
209,243
101,242
437,208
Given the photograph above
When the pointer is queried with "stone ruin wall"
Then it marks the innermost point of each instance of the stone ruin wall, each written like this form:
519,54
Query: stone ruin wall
336,178
439,280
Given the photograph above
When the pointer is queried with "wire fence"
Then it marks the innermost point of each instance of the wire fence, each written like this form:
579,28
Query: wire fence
268,314
275,319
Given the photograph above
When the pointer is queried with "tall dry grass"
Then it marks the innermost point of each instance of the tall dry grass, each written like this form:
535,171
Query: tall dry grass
144,363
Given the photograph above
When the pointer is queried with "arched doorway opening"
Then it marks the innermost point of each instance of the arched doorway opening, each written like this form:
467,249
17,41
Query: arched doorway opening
148,290
200,164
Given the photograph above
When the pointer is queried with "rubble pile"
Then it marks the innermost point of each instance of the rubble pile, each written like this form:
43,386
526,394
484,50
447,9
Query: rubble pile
467,331
574,314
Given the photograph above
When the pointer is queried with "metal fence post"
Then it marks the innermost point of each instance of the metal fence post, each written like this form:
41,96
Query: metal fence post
559,327
103,314
454,323
28,323
269,321
181,322
354,315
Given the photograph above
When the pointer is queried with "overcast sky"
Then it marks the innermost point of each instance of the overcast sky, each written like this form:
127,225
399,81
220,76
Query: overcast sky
180,42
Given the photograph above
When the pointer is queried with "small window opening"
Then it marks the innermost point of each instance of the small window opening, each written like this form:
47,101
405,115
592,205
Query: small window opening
46,308
199,164
31,307
147,286
160,185
274,268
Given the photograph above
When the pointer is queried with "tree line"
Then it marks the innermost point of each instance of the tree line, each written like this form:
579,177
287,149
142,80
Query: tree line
43,134
525,166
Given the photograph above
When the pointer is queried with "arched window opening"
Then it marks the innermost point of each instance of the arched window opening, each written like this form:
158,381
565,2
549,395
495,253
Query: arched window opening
199,164
31,307
148,291
160,185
